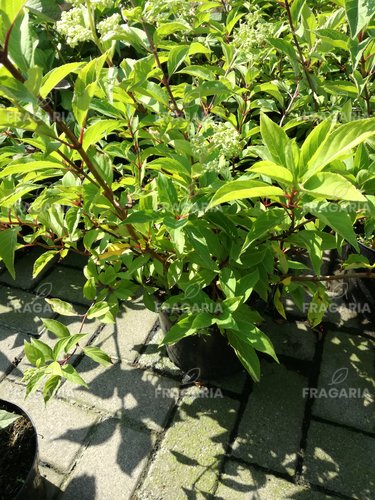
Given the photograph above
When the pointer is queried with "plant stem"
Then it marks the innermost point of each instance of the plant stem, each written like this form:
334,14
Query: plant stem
154,51
75,144
337,277
300,53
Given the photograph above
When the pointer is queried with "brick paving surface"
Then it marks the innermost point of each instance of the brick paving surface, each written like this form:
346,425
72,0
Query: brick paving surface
306,431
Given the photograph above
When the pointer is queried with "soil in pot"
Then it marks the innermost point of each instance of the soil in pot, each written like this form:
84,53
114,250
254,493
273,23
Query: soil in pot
18,446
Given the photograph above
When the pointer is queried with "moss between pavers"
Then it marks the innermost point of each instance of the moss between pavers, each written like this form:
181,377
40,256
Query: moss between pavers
346,389
270,430
187,462
340,460
240,481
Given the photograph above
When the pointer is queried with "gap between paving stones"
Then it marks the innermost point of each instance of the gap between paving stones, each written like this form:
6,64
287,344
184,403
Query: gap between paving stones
313,383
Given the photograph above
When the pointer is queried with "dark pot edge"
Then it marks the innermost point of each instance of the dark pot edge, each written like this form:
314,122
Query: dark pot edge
34,469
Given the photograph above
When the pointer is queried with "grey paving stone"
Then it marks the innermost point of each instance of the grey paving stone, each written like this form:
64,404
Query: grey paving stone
24,270
340,460
156,357
111,465
186,465
11,349
74,325
61,428
74,260
270,430
66,284
347,377
346,314
291,338
239,481
22,311
127,337
137,395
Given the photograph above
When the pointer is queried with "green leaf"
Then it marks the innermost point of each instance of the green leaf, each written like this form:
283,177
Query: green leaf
314,141
359,14
51,386
97,355
100,129
98,310
55,76
173,27
340,141
85,88
176,57
332,186
202,72
33,354
296,10
71,374
9,10
61,307
7,418
24,168
318,307
46,10
43,348
245,352
278,143
8,244
338,219
183,328
42,261
57,328
272,170
239,189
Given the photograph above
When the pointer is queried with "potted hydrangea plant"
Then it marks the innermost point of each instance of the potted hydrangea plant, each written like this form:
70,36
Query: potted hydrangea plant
162,165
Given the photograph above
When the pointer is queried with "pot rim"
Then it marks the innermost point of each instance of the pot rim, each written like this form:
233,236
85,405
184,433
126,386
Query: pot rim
19,411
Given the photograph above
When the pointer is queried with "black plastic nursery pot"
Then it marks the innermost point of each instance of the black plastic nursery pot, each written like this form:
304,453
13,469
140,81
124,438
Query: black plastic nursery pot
362,291
19,475
209,354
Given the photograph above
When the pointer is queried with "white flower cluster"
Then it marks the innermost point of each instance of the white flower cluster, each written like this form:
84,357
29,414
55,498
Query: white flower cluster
109,25
252,34
158,11
214,150
72,26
